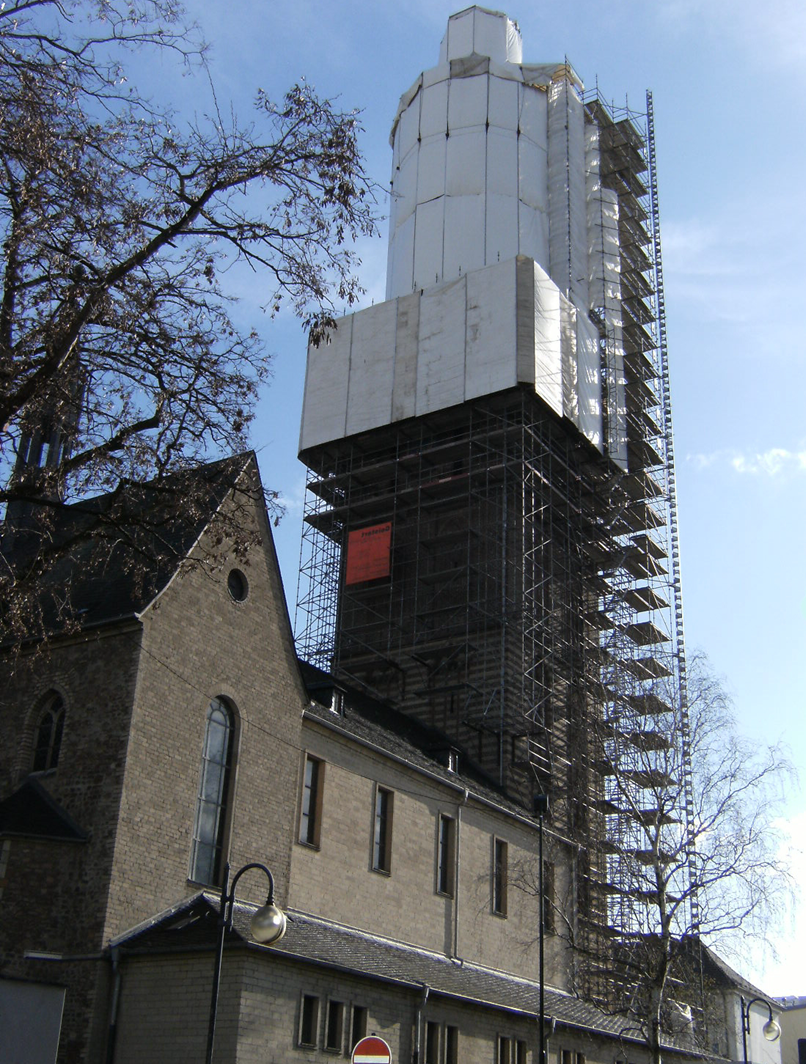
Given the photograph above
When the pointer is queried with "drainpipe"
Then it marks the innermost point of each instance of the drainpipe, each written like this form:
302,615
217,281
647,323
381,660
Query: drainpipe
456,871
418,1030
114,957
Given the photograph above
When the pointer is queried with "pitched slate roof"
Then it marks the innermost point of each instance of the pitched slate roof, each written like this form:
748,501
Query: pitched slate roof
721,972
32,812
107,557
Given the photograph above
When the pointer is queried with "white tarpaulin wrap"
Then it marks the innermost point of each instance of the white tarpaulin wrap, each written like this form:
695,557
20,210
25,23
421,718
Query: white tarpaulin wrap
604,276
589,388
504,253
568,260
470,145
488,331
475,30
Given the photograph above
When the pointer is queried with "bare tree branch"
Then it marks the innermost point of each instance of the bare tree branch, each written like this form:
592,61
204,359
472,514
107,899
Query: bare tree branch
120,224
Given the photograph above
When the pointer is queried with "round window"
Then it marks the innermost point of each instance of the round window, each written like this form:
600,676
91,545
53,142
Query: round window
237,585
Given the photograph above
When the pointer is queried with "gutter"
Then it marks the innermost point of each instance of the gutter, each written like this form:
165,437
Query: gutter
418,1029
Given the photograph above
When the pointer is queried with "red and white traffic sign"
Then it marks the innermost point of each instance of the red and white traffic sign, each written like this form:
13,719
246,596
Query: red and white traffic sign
372,1050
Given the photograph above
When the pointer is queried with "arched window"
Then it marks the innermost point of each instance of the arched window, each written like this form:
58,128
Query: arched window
49,735
214,786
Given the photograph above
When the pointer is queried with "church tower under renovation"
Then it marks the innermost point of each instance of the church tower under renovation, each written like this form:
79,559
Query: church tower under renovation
490,535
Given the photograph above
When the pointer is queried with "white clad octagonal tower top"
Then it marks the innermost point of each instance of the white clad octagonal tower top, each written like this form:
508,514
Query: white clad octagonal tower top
480,172
477,31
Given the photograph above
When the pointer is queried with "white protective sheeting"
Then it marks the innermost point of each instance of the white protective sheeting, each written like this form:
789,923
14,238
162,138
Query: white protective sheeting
502,239
604,264
477,30
370,377
547,341
568,253
491,330
441,353
470,134
589,384
488,331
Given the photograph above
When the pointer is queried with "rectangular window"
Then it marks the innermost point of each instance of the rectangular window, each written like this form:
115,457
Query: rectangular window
308,1020
431,1043
382,831
358,1028
567,1057
334,1030
520,1052
504,1050
445,855
548,897
500,869
451,1045
310,820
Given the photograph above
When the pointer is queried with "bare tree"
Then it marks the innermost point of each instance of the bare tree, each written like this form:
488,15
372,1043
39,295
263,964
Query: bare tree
120,360
691,862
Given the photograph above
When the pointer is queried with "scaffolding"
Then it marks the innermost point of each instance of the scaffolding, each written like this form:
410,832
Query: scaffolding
532,610
644,724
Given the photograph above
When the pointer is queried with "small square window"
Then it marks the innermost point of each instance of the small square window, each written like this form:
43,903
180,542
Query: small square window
308,1020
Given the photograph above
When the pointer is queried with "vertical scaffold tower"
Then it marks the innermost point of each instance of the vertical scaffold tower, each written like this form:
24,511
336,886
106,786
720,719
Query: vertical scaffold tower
490,535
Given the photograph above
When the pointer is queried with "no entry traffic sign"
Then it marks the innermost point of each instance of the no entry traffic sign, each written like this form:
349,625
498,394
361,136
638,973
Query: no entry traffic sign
372,1050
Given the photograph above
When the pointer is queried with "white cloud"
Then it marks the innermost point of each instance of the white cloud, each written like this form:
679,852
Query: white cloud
774,462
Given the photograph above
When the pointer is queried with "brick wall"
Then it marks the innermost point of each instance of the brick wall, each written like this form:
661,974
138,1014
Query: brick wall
337,881
199,644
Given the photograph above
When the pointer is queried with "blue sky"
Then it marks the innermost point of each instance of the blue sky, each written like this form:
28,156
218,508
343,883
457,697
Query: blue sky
728,78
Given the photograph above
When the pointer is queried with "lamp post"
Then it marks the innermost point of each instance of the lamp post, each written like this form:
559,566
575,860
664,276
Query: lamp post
267,926
541,808
770,1030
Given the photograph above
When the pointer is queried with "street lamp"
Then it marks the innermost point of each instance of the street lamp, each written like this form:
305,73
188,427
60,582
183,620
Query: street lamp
770,1030
541,809
267,926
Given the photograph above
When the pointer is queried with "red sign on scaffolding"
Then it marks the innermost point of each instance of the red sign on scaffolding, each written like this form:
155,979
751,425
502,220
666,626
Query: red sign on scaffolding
369,553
